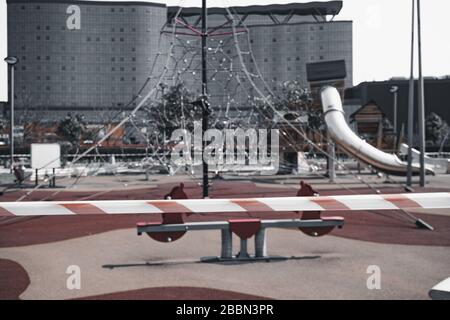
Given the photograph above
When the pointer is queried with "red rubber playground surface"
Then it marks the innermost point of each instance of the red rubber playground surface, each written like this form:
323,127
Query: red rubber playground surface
376,226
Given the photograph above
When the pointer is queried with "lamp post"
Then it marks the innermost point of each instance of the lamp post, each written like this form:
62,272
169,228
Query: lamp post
411,104
204,97
11,61
394,91
421,102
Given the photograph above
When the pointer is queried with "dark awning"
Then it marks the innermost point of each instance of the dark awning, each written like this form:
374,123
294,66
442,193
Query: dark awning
301,9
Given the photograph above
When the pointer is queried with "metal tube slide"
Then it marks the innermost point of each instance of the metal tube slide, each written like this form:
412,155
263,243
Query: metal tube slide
352,144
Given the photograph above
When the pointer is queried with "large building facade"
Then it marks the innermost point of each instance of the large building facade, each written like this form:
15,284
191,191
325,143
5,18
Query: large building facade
94,57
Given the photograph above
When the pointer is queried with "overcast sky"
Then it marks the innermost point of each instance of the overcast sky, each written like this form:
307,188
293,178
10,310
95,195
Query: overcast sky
381,36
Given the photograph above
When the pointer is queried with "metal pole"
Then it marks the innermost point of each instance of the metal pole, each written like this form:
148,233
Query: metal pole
395,111
421,103
204,97
411,103
11,128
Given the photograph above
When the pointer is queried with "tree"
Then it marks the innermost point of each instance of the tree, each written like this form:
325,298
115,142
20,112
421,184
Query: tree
175,110
436,129
290,99
72,129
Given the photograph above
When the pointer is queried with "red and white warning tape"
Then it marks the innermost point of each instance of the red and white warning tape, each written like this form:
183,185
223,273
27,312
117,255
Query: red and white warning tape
329,203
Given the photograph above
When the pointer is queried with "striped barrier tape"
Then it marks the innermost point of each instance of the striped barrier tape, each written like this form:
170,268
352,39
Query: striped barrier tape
326,203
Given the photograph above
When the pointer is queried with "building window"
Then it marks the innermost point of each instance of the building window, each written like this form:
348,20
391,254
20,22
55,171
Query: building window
121,39
38,37
97,39
47,88
88,39
47,58
47,78
112,39
113,59
47,28
113,69
23,7
38,27
63,68
47,38
298,58
112,10
321,28
321,57
121,29
24,48
38,7
24,68
274,40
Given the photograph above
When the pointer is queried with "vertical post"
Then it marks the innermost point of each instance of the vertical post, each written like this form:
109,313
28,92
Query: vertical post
227,244
411,103
11,128
204,97
421,103
331,157
395,111
36,178
260,243
243,253
54,178
11,61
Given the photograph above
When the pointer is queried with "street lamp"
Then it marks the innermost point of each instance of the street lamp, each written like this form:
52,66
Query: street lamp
394,91
421,99
11,61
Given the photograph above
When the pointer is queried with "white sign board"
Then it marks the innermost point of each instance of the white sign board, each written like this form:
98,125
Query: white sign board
45,155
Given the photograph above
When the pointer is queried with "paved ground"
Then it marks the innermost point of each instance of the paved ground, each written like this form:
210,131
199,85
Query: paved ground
327,268
115,263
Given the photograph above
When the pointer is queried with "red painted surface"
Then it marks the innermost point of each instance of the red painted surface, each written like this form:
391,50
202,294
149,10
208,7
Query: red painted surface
5,212
83,208
401,201
171,218
307,190
245,228
388,226
253,205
